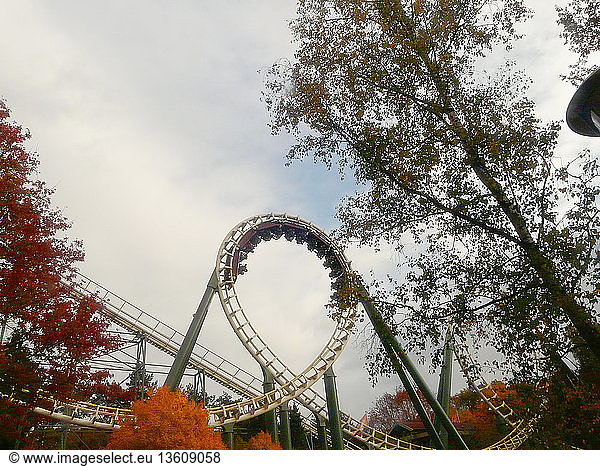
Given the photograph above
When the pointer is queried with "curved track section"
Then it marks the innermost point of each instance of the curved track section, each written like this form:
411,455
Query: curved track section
235,247
521,429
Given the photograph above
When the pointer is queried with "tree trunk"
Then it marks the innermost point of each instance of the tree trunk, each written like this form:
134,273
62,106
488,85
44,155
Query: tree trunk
580,317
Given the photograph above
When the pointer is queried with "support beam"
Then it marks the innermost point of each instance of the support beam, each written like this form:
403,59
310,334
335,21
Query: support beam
284,422
200,386
392,347
414,397
416,401
333,410
270,418
139,374
183,355
228,434
445,385
437,409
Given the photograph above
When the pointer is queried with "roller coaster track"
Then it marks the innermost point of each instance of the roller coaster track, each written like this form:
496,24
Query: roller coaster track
521,429
229,265
166,339
235,247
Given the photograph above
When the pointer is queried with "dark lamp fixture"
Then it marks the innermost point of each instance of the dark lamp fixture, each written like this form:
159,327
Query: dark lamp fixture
583,112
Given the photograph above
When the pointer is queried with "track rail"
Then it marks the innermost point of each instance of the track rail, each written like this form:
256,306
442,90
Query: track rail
521,429
166,338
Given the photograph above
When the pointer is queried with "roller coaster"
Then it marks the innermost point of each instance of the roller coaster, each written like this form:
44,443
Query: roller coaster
279,384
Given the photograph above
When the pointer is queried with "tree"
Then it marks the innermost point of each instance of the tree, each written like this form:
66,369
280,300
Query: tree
568,407
571,418
297,431
580,20
166,421
452,160
262,441
113,394
48,336
391,409
17,364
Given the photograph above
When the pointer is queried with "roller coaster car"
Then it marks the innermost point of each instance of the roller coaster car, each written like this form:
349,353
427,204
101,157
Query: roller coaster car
331,261
336,271
277,231
301,236
255,240
266,234
321,250
312,243
289,233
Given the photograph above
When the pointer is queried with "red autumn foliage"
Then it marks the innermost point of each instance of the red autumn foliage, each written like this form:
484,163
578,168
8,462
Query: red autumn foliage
570,417
15,420
575,420
113,394
166,421
390,409
48,336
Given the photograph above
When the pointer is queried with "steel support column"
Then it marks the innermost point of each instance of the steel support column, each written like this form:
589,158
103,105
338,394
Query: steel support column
183,355
270,417
200,386
393,347
444,388
228,431
414,397
139,374
284,423
333,410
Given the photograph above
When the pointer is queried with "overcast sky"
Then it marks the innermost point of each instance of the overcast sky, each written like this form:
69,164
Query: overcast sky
148,122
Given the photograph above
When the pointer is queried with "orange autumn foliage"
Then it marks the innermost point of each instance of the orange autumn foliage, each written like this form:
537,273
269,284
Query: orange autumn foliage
262,441
166,421
481,423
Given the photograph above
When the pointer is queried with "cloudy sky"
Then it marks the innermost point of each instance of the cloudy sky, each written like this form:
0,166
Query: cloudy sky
148,122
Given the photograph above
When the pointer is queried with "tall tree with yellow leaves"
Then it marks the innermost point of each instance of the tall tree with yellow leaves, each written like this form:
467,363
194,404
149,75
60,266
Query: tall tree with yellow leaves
451,159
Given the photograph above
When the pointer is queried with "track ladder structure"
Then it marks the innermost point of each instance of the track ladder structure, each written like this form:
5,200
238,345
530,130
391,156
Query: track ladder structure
521,429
